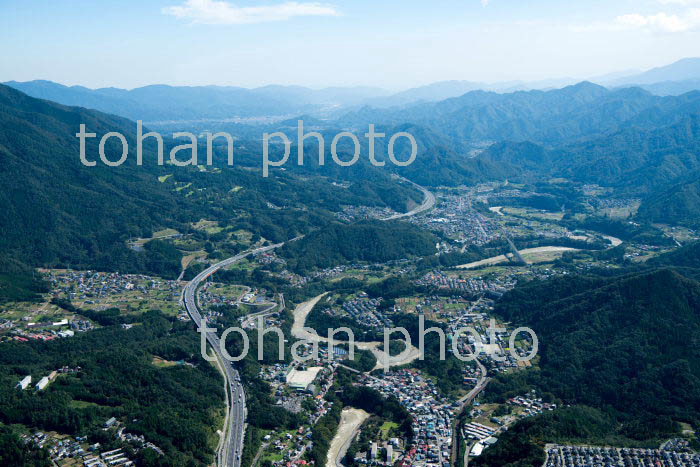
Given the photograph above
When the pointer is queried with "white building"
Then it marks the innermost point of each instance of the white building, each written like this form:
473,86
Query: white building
302,379
477,450
43,382
24,384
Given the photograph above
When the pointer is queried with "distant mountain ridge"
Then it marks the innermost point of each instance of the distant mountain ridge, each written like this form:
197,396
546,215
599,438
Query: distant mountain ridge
162,102
681,70
574,112
642,144
669,80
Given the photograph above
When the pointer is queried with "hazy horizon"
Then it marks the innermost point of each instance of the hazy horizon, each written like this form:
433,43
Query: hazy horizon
553,82
393,46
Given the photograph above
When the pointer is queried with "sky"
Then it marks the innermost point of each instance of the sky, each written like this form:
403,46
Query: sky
393,44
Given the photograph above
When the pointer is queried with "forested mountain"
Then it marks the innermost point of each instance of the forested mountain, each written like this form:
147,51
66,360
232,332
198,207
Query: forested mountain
365,241
176,408
61,213
56,209
578,111
635,159
688,256
660,165
622,345
677,204
641,144
625,138
19,282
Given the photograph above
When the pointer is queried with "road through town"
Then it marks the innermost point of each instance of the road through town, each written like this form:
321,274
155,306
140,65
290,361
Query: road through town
230,449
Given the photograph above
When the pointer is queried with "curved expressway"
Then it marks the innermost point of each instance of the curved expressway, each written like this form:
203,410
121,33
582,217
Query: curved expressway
231,449
428,202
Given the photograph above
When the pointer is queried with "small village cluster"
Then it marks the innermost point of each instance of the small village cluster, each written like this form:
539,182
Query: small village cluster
50,331
78,450
363,310
92,286
62,448
357,213
476,286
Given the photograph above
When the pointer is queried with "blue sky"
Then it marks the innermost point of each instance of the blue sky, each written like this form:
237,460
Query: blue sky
388,43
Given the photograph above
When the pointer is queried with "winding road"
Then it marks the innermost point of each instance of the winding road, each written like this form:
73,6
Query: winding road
230,450
428,203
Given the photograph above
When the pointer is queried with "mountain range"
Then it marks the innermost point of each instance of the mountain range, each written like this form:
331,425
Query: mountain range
165,103
58,212
641,144
679,71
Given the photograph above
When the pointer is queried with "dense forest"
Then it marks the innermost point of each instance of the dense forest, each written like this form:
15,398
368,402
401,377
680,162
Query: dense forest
687,256
630,333
176,407
370,241
620,345
19,282
521,446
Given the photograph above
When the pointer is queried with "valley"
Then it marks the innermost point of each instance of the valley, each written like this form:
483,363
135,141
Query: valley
534,248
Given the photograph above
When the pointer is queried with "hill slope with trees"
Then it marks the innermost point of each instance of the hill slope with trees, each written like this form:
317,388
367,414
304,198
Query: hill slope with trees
620,350
371,241
59,212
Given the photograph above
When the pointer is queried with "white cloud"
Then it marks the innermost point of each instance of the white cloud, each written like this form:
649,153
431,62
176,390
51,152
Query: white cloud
221,12
485,2
680,2
662,22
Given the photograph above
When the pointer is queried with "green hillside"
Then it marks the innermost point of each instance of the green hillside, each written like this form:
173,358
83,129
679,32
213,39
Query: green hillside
677,204
61,213
365,241
621,346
